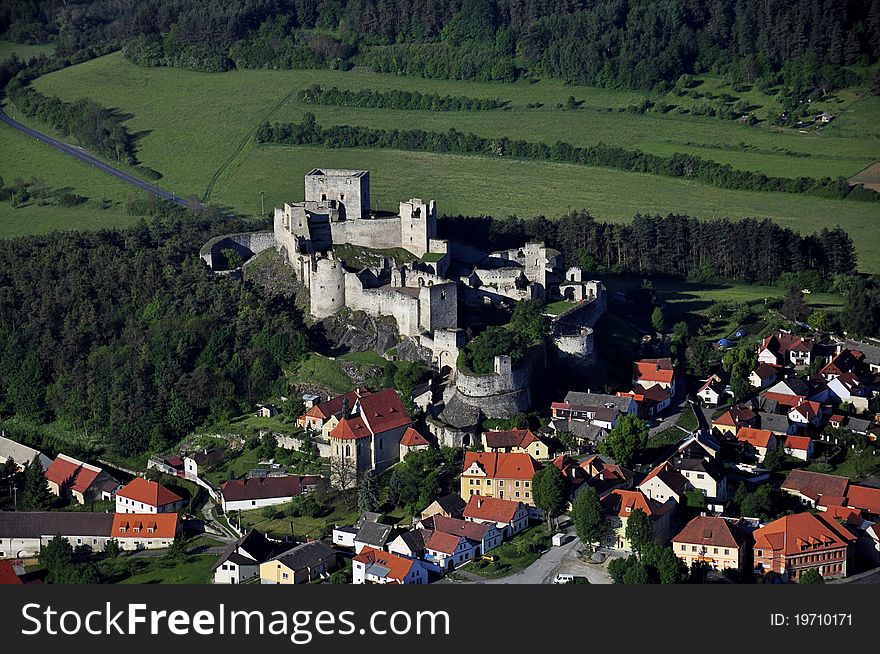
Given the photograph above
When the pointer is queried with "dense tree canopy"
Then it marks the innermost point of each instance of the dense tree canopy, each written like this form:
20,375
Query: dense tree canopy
127,334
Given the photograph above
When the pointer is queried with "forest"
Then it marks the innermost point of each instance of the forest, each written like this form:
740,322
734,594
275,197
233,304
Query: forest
675,245
127,334
799,44
309,132
395,99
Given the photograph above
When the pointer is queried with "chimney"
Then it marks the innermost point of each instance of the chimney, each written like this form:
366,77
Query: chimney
345,408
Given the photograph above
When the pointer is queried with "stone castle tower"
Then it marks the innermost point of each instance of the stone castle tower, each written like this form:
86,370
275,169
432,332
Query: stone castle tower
347,190
327,287
418,225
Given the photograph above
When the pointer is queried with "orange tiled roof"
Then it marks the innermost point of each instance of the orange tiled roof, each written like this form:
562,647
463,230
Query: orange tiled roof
491,508
710,531
654,370
148,492
501,465
798,442
510,438
864,498
802,532
412,438
755,437
144,525
398,566
70,473
442,542
624,502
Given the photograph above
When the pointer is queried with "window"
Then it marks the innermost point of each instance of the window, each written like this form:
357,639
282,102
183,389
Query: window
501,482
284,575
488,482
516,494
516,483
693,548
528,483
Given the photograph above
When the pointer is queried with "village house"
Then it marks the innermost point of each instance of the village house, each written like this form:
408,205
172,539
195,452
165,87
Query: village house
367,436
604,476
300,565
706,476
373,566
8,574
848,389
800,447
258,492
718,542
505,476
80,481
735,418
23,533
449,506
654,372
651,401
712,391
412,441
806,413
571,470
764,375
663,483
756,442
21,455
145,531
775,423
519,441
486,536
240,560
448,551
784,348
372,534
411,544
842,362
597,409
869,354
619,505
202,460
795,543
824,492
143,496
510,517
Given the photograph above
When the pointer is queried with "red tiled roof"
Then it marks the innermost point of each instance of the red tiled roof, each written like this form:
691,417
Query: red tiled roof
412,438
491,508
442,542
470,530
808,410
864,498
654,370
509,438
8,576
666,473
148,492
398,566
843,362
334,406
383,411
734,416
144,525
794,534
784,398
798,442
710,531
70,473
755,437
782,343
766,370
624,502
502,465
350,429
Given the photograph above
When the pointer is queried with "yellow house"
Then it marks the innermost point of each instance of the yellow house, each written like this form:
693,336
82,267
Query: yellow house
715,541
501,475
304,563
619,505
516,441
731,420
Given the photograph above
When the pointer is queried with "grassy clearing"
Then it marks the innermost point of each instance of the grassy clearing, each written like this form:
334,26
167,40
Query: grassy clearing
367,358
319,370
343,512
23,50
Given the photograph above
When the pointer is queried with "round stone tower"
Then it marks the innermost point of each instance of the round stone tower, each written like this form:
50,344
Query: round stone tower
327,288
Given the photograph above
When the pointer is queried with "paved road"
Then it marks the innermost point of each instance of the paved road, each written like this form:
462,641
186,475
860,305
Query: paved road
86,157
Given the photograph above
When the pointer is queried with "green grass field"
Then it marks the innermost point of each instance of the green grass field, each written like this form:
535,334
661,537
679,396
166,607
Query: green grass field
22,157
193,570
197,129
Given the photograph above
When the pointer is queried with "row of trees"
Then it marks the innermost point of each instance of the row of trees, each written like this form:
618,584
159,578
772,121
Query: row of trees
679,165
750,250
396,99
127,336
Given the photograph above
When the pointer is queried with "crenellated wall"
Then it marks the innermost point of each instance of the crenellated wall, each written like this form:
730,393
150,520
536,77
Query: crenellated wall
247,244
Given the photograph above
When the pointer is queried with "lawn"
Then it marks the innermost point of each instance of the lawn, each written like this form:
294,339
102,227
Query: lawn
558,308
197,128
343,512
515,555
156,570
367,358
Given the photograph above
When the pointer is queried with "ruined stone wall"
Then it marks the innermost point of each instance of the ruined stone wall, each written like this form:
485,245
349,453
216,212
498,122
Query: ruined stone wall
350,189
579,344
418,225
376,233
247,244
327,290
438,306
385,301
505,392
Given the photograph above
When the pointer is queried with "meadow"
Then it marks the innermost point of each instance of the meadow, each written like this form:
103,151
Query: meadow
23,50
197,130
